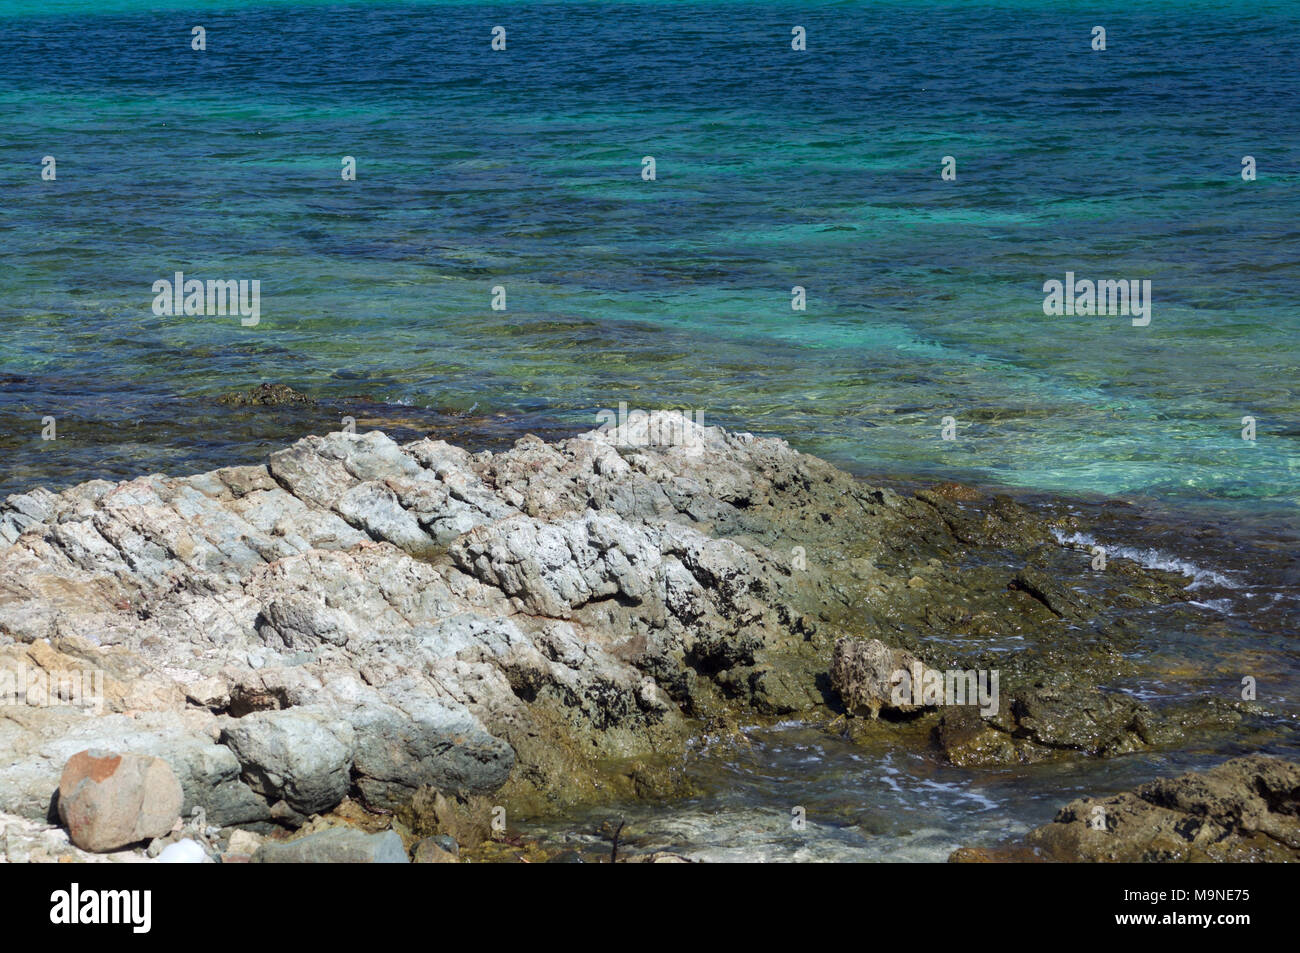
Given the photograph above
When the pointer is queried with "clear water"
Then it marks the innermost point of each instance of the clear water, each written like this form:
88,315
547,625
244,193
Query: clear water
775,168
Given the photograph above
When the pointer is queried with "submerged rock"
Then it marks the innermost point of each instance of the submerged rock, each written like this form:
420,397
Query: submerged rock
265,395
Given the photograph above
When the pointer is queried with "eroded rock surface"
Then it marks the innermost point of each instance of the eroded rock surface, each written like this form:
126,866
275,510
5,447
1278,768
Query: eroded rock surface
549,624
1247,809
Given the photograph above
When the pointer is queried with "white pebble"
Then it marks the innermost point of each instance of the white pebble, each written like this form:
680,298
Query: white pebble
183,852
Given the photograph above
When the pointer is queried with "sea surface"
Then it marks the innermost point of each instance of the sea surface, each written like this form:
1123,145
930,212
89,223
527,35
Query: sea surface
774,168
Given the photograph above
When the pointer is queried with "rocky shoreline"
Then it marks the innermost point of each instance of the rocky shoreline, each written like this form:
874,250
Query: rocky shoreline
425,641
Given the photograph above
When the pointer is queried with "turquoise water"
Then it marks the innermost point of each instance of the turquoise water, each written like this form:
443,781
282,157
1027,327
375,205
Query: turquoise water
775,168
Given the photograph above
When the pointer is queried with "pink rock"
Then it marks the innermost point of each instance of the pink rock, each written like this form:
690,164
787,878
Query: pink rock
109,801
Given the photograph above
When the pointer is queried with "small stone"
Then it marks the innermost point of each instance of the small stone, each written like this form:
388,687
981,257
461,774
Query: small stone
244,842
108,800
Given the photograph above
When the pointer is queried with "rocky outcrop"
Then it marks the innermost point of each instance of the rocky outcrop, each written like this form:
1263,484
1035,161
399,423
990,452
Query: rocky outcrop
547,625
1244,810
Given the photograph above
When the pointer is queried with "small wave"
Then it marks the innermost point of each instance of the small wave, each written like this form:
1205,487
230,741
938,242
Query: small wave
1153,559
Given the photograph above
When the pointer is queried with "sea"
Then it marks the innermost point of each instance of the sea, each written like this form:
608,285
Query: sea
833,222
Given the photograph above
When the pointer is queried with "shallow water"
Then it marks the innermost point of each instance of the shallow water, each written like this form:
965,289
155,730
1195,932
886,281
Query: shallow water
855,805
821,169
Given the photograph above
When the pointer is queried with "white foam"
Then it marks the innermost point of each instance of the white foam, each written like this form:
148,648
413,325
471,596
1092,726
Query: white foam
1153,559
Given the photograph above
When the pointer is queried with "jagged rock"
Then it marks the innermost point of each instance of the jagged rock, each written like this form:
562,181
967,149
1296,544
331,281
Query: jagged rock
1246,809
524,623
265,395
1041,722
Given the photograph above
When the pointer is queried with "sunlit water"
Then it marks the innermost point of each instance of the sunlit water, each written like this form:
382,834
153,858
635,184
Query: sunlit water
479,168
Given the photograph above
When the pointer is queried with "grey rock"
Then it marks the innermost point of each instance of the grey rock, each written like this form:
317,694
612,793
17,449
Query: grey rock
297,755
336,845
398,750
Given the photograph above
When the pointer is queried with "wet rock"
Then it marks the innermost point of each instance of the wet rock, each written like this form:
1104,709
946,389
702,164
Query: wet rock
1247,809
108,801
863,673
968,740
335,845
996,855
1047,591
450,822
957,492
432,850
265,395
1082,718
567,857
656,857
1042,722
